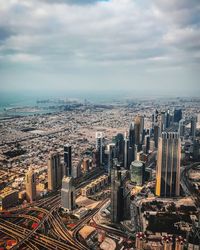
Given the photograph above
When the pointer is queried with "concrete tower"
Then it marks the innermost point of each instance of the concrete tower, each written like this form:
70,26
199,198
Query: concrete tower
67,160
30,181
168,165
54,171
99,146
68,194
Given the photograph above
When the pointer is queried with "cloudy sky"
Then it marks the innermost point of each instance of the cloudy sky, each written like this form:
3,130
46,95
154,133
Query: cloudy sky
142,46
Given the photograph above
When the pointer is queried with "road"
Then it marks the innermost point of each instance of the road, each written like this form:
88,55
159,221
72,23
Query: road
49,232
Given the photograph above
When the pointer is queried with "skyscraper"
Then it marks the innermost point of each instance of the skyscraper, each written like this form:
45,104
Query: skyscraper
131,135
139,130
147,143
163,121
193,127
168,165
30,182
167,119
126,147
117,202
54,171
119,147
67,160
99,146
156,134
181,128
67,194
177,115
111,155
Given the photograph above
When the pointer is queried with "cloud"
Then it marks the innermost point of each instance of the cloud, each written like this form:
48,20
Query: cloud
65,36
23,58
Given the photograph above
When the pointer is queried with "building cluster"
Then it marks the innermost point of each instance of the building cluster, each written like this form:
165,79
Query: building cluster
95,186
146,158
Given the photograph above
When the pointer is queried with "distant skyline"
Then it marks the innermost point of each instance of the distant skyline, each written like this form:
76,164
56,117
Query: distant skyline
144,47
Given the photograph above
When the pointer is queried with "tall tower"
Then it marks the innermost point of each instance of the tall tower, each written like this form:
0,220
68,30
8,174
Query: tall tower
181,128
111,155
132,135
30,181
168,165
156,134
54,171
68,194
126,148
117,203
68,160
147,143
163,121
99,146
193,126
177,115
167,119
139,129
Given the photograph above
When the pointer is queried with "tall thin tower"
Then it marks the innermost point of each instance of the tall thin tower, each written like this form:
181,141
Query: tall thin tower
67,160
99,145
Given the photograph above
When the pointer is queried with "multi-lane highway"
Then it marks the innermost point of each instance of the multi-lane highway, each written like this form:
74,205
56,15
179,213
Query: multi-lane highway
49,231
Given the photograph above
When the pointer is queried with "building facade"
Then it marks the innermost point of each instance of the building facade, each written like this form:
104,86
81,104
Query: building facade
168,165
30,182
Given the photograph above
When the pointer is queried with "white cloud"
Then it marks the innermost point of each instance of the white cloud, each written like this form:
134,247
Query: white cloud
62,36
23,58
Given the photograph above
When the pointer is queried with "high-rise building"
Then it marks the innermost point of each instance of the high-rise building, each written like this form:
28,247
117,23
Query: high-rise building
177,115
54,171
126,147
147,143
131,135
68,194
181,128
131,155
30,182
168,165
163,121
167,119
111,155
68,160
196,150
117,189
137,172
193,126
155,118
139,130
99,146
156,134
119,147
76,170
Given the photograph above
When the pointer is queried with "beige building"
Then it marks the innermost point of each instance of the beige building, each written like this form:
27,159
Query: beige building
30,182
8,199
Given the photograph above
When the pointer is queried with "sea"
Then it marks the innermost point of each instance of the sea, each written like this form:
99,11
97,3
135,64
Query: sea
18,103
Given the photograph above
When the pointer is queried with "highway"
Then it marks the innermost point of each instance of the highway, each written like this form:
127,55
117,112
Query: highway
187,185
49,231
